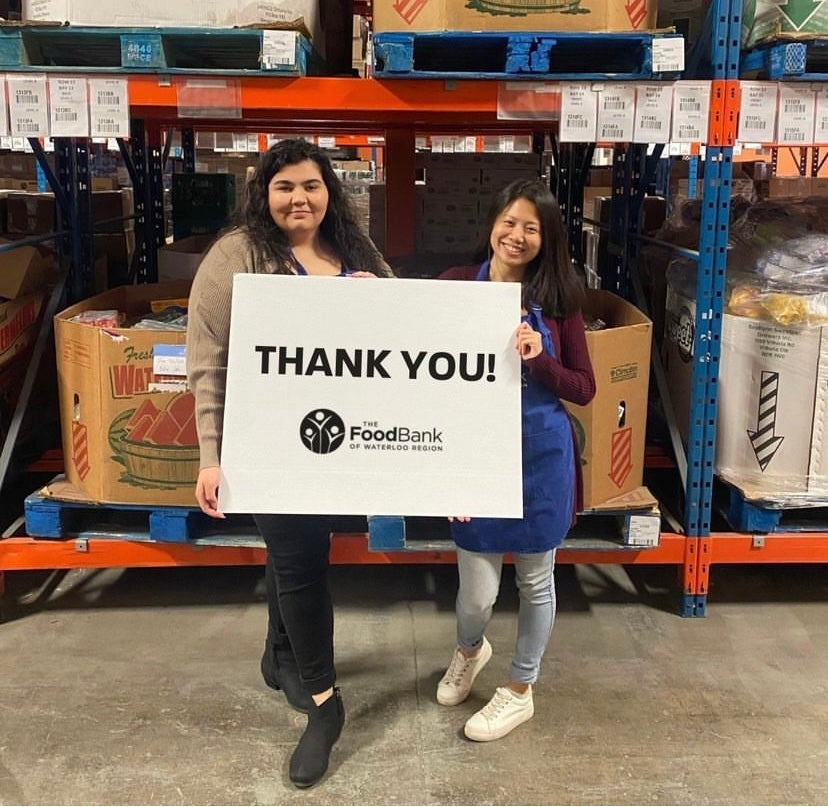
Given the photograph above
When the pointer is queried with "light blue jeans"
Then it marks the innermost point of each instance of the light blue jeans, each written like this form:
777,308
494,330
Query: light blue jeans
480,574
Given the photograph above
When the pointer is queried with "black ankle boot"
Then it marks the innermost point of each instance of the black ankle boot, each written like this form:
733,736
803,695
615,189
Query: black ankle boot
310,759
281,674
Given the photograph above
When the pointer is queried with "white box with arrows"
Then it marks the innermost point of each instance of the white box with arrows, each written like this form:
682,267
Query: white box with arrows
773,410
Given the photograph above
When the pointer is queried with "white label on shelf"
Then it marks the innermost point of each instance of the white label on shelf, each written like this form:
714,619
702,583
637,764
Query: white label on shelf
616,112
278,49
795,115
579,113
68,106
691,106
668,54
4,110
28,108
326,142
821,125
5,142
653,108
108,107
757,117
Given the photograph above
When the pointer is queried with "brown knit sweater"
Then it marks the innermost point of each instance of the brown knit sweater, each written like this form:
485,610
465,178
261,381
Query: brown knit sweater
208,334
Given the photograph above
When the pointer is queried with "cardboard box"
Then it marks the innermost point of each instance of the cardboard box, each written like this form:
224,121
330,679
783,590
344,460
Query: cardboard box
773,408
30,213
127,421
494,15
301,15
24,270
770,19
18,326
611,429
180,260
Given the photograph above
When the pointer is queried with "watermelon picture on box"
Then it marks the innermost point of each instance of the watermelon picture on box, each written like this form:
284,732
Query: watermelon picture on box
157,447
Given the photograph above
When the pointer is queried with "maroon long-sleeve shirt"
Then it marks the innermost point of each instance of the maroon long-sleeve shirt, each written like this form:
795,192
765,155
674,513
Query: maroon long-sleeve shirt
569,376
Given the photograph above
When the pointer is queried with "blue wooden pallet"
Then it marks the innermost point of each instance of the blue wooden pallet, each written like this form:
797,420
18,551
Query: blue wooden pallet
57,518
762,517
798,60
594,530
44,48
516,55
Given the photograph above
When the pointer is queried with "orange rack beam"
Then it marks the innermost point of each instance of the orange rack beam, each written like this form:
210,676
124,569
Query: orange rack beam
25,553
330,101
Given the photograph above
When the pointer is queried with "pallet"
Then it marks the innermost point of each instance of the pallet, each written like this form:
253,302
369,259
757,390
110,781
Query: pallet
46,517
44,48
788,60
516,55
593,531
745,515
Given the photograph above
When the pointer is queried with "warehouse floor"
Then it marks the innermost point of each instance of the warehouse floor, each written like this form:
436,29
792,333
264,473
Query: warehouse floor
142,687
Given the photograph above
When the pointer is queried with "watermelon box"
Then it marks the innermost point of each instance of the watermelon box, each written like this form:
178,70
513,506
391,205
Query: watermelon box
127,418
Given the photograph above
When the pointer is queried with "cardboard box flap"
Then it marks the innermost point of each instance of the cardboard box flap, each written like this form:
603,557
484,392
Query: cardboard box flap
25,270
613,310
132,300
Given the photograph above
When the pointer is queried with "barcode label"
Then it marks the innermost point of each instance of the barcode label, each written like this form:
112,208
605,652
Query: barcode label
27,127
26,97
796,135
689,106
691,132
109,98
108,127
670,67
610,130
65,115
794,106
756,122
615,104
650,122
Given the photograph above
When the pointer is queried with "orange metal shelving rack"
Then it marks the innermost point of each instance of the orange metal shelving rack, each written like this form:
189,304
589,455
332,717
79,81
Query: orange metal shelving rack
395,110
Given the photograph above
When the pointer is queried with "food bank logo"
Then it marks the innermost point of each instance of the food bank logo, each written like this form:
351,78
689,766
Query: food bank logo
322,431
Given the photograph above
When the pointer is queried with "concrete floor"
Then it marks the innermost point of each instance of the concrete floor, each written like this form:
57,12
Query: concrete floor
142,687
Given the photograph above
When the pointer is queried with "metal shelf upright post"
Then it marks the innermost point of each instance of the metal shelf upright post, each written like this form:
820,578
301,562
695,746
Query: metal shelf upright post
710,283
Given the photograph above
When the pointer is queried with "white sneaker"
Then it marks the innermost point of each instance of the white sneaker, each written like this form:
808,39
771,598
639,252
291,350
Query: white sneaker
504,712
459,677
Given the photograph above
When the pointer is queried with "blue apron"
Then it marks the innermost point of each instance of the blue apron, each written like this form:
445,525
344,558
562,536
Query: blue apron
548,470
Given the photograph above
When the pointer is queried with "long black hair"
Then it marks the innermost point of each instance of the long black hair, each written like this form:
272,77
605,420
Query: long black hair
550,280
339,227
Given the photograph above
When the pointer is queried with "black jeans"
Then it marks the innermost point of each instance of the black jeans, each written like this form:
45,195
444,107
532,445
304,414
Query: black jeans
300,611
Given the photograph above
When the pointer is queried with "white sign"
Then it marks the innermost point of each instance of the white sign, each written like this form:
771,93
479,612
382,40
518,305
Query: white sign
108,107
691,107
821,126
616,113
579,113
68,106
795,115
28,109
757,116
653,112
4,112
668,54
356,396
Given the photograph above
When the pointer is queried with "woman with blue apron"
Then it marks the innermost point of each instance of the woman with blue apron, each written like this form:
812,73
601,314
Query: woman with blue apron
527,244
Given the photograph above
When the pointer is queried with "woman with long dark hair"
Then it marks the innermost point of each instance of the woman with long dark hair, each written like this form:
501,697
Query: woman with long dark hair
526,244
296,220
